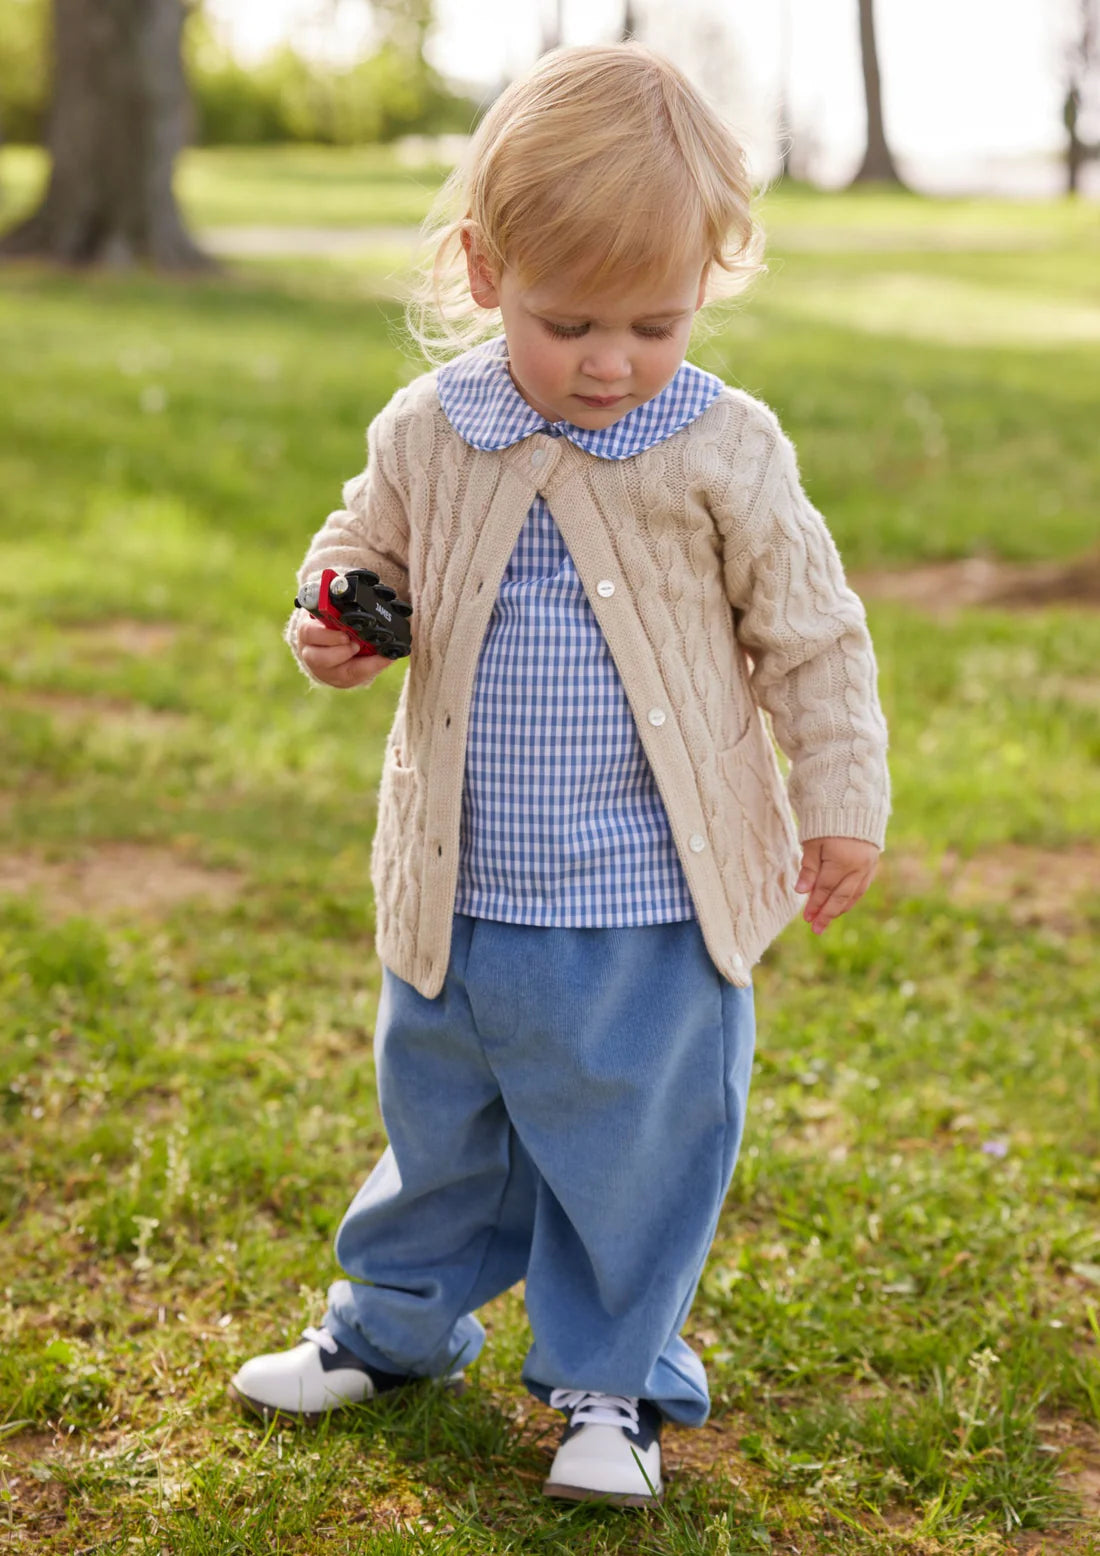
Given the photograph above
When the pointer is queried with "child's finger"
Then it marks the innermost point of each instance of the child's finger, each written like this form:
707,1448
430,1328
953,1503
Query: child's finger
362,670
835,904
828,878
844,896
811,864
315,633
328,657
355,670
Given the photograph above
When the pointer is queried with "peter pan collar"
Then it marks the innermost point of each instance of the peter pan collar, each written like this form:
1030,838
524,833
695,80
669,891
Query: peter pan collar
486,409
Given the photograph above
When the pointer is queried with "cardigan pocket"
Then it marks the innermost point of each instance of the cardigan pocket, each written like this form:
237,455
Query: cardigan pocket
394,854
761,836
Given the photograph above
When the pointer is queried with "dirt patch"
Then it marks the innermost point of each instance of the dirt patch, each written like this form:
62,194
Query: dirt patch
122,635
306,242
124,879
24,1447
114,713
1079,1474
1039,886
973,581
711,1449
37,1502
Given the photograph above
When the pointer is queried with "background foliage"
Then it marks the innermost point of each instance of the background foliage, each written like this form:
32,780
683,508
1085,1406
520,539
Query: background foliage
286,97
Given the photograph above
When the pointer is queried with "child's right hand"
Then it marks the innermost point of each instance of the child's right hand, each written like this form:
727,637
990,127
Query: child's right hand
334,657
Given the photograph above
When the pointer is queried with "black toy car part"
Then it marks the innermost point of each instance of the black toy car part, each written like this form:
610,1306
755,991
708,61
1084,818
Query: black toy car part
359,603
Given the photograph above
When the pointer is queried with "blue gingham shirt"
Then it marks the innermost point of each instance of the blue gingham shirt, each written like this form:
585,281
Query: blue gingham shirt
562,821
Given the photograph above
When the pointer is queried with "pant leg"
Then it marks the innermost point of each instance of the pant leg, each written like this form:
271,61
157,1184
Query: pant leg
443,1222
623,1058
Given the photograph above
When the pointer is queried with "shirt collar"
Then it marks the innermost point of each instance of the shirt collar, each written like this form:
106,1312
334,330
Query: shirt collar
485,408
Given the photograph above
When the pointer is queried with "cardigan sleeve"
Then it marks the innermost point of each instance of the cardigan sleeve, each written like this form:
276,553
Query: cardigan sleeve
813,665
370,530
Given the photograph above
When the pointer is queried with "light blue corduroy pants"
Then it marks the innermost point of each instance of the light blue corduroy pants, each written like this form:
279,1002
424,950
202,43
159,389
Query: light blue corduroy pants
567,1111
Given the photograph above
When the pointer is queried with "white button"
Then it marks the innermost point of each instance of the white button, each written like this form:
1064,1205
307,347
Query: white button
605,587
657,716
537,456
738,962
696,842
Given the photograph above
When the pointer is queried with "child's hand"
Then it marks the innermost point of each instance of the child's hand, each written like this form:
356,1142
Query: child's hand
836,871
333,657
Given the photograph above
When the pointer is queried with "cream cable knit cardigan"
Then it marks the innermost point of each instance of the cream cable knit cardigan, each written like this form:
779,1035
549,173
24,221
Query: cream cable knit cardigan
719,591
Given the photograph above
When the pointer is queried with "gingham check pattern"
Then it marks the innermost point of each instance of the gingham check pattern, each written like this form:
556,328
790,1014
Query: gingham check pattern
485,408
562,822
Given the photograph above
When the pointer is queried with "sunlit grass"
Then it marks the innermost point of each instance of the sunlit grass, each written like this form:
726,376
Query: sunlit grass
950,312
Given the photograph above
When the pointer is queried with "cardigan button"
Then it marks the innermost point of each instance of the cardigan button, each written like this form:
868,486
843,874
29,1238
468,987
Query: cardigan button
537,456
697,842
605,588
657,716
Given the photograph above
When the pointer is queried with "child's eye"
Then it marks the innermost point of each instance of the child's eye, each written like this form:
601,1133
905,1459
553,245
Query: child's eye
575,331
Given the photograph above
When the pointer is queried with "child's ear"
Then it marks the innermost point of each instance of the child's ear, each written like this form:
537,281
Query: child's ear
702,297
483,282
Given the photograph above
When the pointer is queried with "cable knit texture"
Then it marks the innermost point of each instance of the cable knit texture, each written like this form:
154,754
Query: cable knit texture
728,598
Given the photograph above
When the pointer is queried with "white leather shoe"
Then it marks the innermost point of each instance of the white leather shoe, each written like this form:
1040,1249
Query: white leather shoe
610,1449
313,1378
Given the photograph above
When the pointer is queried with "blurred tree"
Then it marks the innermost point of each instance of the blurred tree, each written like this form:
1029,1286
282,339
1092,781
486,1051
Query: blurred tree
878,161
405,23
1082,97
24,68
784,128
552,26
286,96
235,104
701,37
119,116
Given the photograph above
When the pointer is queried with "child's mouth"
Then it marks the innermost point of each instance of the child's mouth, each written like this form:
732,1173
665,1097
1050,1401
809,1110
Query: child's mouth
600,402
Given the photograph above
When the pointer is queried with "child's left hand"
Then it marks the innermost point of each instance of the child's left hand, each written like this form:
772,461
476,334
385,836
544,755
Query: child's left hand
836,871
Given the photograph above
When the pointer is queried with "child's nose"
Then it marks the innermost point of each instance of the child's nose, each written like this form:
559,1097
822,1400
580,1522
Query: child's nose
606,366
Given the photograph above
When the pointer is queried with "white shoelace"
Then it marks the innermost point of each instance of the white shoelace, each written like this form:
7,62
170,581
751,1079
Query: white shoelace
322,1338
590,1409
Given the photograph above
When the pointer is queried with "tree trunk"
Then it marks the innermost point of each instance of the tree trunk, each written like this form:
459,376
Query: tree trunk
1082,57
1075,150
120,114
878,162
784,127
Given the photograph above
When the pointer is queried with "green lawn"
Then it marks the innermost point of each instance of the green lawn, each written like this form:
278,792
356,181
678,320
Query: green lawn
902,1312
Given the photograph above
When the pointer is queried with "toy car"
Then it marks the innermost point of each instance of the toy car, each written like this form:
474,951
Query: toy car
359,603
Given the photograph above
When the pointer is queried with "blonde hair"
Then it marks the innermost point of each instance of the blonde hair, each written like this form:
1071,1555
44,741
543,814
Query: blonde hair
603,162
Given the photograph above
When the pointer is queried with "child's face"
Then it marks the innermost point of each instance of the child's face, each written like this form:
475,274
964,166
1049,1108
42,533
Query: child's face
589,359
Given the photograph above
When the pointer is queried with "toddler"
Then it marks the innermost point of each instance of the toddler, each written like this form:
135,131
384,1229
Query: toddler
584,842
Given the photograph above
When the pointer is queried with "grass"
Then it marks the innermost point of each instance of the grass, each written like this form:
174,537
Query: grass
901,1315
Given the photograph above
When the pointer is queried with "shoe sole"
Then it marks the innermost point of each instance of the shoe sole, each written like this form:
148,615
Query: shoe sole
554,1488
314,1417
257,1407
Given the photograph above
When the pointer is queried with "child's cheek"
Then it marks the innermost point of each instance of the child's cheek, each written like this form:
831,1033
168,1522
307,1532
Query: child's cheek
549,364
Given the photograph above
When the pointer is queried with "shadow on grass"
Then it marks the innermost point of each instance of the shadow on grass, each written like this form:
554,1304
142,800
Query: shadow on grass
425,1472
